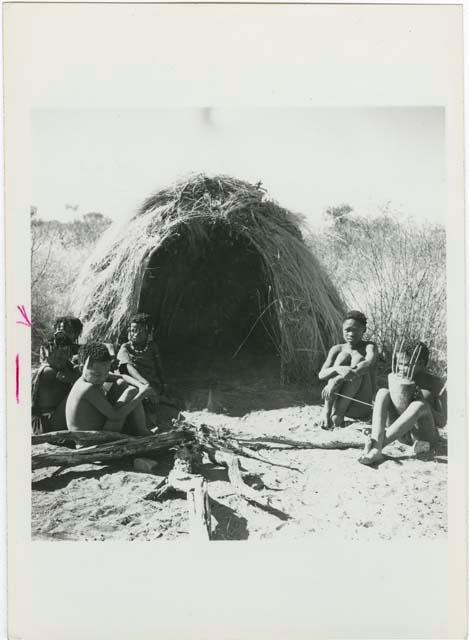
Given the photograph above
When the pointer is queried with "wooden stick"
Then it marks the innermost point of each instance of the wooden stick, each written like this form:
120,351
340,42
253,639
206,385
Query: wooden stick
198,507
368,404
393,364
87,438
416,362
231,462
307,444
113,451
411,361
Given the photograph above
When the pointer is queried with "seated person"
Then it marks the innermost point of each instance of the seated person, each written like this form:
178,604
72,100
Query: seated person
67,330
350,369
422,418
51,383
140,359
89,408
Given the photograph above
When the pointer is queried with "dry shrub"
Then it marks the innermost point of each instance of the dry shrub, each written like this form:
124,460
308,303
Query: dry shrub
395,272
58,250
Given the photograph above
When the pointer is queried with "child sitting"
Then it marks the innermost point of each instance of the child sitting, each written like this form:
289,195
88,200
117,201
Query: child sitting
140,359
51,383
422,418
350,369
88,407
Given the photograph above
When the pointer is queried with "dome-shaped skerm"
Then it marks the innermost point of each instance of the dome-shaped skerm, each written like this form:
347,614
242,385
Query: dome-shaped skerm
225,274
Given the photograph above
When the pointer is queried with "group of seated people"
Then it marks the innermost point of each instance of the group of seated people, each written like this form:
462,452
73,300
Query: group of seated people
350,370
84,387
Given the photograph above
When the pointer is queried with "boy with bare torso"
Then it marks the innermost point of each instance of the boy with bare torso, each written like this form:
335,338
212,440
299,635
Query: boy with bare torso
350,369
88,407
418,424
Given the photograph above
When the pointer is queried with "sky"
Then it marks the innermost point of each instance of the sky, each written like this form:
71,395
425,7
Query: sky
309,159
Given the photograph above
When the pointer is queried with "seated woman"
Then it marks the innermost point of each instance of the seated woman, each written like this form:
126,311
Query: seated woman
350,369
51,383
425,414
67,330
140,359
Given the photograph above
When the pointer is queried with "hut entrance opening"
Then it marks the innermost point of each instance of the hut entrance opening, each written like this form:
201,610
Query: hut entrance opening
207,291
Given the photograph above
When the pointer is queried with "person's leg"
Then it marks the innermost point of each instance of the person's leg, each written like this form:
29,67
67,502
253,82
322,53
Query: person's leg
136,422
126,395
340,404
381,410
362,407
325,419
406,421
425,430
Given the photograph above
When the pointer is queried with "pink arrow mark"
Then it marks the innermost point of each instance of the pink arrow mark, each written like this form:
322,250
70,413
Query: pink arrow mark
26,321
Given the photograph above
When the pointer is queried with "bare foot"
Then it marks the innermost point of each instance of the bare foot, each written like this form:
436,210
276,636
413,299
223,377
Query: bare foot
373,456
421,446
325,419
338,421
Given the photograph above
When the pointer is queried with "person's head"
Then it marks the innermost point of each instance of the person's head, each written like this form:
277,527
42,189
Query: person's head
67,329
354,327
140,329
418,353
56,356
96,361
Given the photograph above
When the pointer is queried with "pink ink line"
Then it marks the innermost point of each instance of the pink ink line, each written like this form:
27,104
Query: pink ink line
17,363
21,308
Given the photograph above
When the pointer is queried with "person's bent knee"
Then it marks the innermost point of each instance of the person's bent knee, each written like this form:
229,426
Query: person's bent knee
382,394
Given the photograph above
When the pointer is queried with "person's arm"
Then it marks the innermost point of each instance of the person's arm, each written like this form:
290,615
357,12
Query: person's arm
328,369
96,398
113,377
365,365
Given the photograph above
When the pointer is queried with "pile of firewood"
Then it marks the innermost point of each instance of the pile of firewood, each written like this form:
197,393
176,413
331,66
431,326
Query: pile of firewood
189,443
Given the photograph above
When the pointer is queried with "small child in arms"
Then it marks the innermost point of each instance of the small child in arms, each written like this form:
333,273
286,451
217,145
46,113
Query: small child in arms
425,414
88,407
140,359
350,369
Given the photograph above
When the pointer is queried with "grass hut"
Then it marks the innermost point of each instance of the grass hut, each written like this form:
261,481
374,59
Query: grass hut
235,293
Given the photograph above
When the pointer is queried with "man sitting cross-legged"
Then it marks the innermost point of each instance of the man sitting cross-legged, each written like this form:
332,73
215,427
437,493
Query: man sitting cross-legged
350,369
89,408
425,414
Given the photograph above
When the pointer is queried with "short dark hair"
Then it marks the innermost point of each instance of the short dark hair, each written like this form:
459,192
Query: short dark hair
95,351
70,323
356,315
142,318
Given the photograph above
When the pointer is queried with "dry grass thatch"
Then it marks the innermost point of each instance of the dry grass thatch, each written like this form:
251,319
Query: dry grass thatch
213,256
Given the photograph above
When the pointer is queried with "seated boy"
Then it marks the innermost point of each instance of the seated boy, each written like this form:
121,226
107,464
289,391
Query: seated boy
422,418
140,359
51,383
87,406
350,369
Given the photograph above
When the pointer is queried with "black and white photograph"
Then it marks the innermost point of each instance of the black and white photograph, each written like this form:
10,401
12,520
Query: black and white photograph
239,324
235,320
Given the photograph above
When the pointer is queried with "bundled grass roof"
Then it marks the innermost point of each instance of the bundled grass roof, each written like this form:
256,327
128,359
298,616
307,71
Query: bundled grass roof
222,269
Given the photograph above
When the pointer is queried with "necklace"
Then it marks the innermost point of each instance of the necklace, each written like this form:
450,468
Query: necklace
140,351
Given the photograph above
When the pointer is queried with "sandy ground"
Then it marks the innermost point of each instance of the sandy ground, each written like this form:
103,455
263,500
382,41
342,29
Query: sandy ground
333,494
